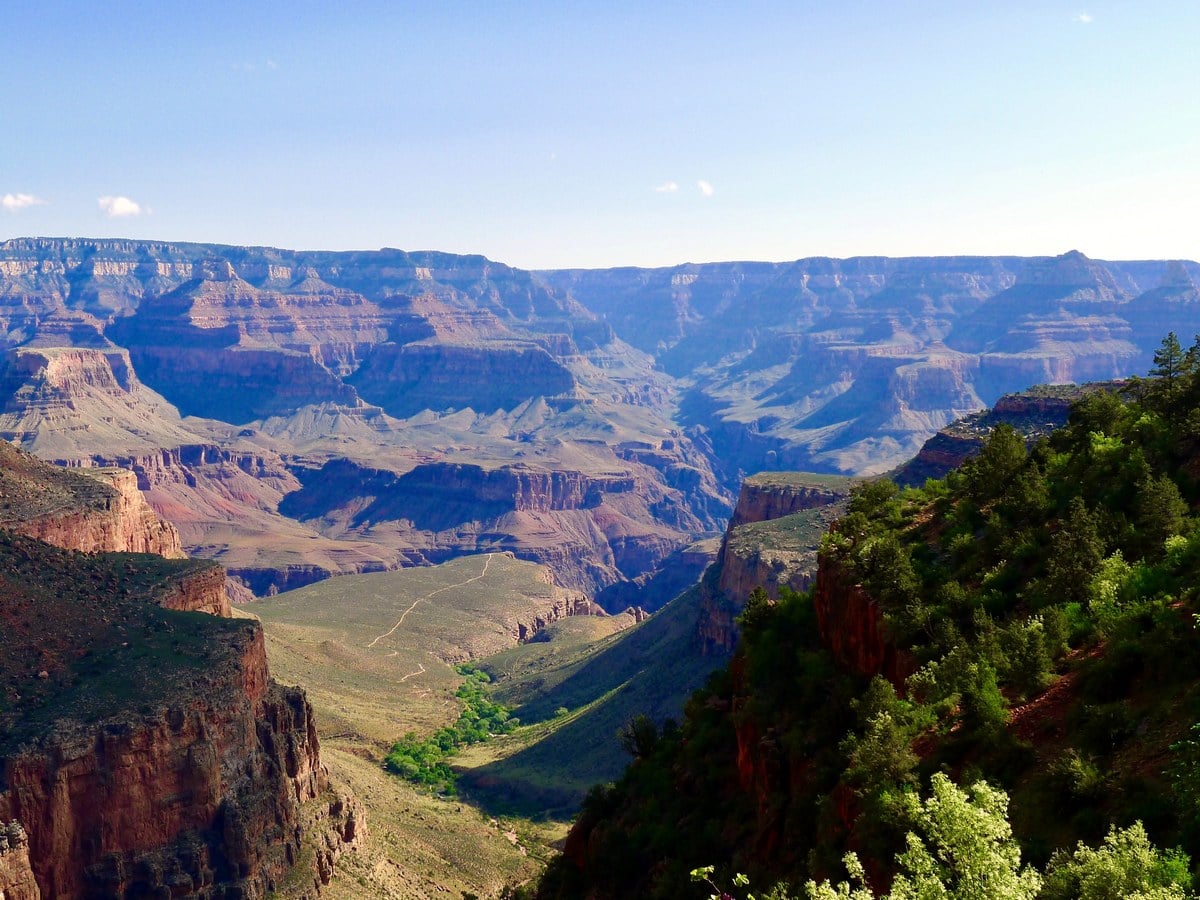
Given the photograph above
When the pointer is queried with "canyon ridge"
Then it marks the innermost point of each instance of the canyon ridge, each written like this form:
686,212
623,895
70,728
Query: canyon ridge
302,414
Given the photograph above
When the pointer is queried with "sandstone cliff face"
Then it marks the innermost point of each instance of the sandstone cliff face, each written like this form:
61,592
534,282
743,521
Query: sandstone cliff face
771,542
151,754
200,798
852,627
16,875
127,523
100,510
773,495
405,379
203,590
68,402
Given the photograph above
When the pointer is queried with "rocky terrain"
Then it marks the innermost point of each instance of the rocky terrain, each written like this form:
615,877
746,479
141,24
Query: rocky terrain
359,387
93,510
849,365
1033,413
300,414
143,746
772,541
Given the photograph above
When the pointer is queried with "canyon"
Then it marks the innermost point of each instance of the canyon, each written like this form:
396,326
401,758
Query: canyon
145,748
304,414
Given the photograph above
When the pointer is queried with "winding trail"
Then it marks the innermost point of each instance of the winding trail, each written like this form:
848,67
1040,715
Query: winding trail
487,562
420,671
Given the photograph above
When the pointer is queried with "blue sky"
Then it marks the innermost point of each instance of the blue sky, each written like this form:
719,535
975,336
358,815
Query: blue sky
602,134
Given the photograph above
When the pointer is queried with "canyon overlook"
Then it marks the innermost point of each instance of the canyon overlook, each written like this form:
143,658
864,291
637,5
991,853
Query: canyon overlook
302,414
143,745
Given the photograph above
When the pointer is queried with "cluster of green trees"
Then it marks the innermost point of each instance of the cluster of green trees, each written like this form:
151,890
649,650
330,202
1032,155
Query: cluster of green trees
424,760
962,846
1076,559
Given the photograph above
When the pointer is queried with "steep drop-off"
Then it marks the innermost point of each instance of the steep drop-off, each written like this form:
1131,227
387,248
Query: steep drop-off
94,510
143,746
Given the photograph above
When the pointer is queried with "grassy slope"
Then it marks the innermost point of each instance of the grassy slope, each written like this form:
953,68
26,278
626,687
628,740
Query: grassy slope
366,696
544,770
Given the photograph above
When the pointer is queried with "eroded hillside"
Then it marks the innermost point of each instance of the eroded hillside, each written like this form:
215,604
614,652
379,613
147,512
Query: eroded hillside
143,746
300,414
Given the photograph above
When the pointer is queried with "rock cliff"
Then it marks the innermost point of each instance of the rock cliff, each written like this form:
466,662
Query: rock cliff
851,626
143,747
593,529
16,875
771,542
1034,413
95,510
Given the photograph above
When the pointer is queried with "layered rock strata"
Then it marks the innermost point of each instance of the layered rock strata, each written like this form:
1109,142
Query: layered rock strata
144,749
772,542
99,510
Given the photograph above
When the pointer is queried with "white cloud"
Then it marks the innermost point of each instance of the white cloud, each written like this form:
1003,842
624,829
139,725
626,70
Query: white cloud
705,188
119,207
667,187
13,202
1084,18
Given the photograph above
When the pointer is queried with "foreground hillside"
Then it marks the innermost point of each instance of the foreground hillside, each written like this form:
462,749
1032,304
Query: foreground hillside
302,414
1028,620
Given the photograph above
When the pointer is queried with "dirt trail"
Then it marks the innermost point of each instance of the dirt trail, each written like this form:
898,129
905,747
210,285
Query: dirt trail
487,562
420,671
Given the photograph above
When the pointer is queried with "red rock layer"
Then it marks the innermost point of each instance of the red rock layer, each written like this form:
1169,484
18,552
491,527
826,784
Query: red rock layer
16,875
127,524
201,799
852,627
202,591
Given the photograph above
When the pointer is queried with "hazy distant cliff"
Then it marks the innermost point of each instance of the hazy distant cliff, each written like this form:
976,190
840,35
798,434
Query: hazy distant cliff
678,380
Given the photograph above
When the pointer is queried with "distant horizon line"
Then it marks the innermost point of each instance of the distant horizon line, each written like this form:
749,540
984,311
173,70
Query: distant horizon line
4,242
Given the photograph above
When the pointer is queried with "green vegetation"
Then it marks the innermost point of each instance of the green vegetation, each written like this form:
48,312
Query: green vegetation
962,847
424,761
1030,620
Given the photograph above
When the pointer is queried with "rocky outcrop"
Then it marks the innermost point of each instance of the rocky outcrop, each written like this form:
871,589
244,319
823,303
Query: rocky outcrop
202,590
16,876
771,542
1033,413
852,627
100,510
525,629
199,798
127,523
773,495
144,749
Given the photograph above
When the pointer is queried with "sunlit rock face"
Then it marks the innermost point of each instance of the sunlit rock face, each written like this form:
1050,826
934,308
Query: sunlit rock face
144,748
679,381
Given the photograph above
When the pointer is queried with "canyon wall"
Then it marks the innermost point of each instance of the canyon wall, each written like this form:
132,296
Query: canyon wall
126,524
679,379
144,749
772,542
1033,414
200,798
